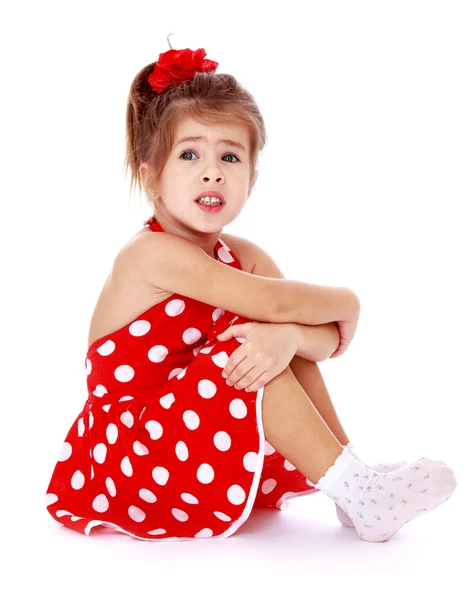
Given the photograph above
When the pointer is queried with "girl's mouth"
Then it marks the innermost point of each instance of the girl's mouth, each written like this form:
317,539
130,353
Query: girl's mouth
209,209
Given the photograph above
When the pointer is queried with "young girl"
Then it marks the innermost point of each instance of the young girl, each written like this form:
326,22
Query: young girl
165,448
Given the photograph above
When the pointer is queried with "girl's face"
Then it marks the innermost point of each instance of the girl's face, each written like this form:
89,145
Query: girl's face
196,166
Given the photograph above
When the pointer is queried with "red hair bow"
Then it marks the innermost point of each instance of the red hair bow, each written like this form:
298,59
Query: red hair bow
177,66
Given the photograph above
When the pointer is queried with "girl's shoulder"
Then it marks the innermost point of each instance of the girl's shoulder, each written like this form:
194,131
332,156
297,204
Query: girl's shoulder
126,294
243,249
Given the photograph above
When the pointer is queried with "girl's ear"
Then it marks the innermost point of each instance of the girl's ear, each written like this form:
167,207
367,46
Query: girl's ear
143,173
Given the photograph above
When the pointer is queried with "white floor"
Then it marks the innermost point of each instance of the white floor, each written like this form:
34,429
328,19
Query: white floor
301,550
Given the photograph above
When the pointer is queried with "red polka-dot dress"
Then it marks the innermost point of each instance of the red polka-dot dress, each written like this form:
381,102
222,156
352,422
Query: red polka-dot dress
163,448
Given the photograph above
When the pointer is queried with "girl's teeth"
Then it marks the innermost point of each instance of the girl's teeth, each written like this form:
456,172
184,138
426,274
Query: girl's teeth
214,202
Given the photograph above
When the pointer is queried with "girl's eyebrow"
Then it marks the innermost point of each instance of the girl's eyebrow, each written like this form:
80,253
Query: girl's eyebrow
200,137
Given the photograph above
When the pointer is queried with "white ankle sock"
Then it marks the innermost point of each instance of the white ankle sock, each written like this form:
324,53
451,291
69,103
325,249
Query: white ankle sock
379,504
350,447
380,468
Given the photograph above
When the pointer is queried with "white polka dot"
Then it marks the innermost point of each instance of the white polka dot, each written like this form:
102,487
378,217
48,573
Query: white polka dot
91,420
106,407
100,390
106,348
62,513
220,359
180,515
182,373
250,462
268,485
206,388
191,335
204,533
126,466
65,452
142,412
174,372
191,419
236,494
205,473
206,350
222,441
189,498
157,354
156,532
139,328
167,400
77,480
124,398
112,433
76,518
100,453
50,499
127,419
110,486
124,373
100,503
147,495
221,516
288,465
182,451
88,366
217,314
155,429
81,427
175,307
136,514
91,472
237,408
160,475
139,448
224,255
269,448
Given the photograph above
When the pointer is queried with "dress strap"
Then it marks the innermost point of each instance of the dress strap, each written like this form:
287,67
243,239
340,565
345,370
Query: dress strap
153,223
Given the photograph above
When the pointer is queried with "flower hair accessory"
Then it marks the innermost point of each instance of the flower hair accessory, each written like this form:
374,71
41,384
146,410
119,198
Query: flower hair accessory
178,66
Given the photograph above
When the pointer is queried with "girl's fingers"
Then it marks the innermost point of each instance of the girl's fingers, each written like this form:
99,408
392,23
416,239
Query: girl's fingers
242,381
258,383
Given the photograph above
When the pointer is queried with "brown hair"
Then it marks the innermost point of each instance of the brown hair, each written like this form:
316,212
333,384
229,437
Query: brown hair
151,118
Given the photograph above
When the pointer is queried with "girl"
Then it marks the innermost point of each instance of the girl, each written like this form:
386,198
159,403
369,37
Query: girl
164,449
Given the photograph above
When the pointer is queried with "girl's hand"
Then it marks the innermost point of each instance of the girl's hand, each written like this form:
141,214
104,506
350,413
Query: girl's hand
346,335
267,350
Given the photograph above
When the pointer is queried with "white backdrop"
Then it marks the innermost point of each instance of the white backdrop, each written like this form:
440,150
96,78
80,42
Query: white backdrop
361,184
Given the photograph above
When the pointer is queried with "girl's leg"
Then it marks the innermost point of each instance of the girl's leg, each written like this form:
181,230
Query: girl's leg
295,428
310,378
379,503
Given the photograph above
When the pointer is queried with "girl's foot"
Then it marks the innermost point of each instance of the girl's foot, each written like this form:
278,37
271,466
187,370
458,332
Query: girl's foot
379,504
381,468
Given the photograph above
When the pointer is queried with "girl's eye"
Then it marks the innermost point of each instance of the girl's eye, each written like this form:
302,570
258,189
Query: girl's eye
192,152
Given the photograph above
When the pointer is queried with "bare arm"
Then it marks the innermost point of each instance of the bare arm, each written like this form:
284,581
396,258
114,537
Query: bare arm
170,262
311,304
315,342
